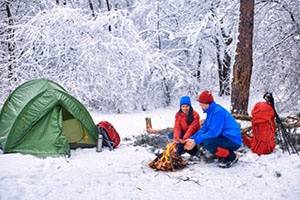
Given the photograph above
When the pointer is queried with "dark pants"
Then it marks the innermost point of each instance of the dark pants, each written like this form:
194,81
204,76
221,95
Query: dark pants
180,149
212,144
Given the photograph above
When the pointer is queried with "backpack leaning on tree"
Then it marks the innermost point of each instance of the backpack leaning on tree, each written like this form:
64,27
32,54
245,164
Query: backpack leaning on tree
262,140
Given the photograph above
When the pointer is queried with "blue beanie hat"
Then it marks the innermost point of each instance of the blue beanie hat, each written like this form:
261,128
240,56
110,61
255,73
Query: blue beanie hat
185,100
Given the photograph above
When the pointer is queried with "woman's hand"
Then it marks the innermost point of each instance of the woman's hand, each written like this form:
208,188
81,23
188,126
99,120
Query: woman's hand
189,144
178,140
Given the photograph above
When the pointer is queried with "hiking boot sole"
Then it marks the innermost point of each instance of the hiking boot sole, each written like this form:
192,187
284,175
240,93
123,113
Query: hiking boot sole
229,163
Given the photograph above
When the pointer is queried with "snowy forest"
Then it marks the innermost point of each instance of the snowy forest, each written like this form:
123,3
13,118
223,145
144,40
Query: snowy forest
126,55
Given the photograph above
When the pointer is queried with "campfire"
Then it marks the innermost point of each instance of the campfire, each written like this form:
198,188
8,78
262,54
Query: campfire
168,160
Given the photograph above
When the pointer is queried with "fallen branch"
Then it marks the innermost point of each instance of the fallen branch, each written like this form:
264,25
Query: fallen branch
294,124
156,131
284,120
242,117
246,130
294,118
159,131
167,130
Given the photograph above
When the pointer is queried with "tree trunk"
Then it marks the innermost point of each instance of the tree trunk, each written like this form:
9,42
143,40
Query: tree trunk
108,9
242,68
224,61
198,69
224,67
158,28
166,90
92,8
10,43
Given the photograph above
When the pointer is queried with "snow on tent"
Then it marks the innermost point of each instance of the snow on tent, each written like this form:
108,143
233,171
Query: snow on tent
40,118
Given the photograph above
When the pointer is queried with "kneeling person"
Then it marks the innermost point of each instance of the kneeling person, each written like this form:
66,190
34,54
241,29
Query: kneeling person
220,133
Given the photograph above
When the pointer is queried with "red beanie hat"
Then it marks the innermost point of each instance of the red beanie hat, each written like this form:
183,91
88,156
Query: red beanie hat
205,97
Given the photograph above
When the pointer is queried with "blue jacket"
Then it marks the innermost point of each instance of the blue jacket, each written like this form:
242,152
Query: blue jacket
218,122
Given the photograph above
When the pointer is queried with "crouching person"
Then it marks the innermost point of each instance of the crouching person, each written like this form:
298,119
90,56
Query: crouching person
220,133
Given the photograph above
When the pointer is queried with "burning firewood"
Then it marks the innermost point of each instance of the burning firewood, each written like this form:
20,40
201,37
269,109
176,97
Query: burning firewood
168,160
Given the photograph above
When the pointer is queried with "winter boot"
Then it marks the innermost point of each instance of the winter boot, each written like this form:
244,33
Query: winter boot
228,161
227,157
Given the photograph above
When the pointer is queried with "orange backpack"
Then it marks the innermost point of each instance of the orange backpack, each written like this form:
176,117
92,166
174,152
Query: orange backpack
263,128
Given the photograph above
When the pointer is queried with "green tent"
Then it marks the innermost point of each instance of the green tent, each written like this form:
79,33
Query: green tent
41,118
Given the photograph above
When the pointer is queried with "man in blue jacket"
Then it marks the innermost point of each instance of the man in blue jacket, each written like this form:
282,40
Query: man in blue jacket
220,133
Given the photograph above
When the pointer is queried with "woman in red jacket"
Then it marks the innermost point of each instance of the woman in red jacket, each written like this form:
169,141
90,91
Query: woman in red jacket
186,124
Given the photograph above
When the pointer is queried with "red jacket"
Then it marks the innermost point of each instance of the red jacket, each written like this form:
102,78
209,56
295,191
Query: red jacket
181,125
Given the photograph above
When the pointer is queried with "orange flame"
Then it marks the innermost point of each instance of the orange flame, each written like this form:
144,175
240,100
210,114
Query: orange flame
168,160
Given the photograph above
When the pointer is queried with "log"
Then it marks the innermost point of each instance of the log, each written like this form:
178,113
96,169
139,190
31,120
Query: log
246,130
242,117
150,130
294,118
156,131
148,123
284,120
159,131
294,124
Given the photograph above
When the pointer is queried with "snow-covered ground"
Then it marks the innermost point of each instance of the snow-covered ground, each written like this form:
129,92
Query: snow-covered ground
124,173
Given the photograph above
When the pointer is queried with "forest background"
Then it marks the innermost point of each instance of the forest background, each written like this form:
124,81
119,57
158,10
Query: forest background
126,55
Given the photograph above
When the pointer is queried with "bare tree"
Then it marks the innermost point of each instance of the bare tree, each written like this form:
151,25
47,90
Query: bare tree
224,64
242,68
276,47
108,9
222,40
158,27
198,66
10,43
92,8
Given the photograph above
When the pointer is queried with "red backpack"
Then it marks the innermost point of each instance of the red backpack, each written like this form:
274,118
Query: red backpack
111,137
263,128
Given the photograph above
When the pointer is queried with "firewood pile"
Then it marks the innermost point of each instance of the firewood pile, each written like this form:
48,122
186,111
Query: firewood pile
168,160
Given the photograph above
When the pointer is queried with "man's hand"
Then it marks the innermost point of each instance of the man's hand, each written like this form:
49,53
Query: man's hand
189,144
